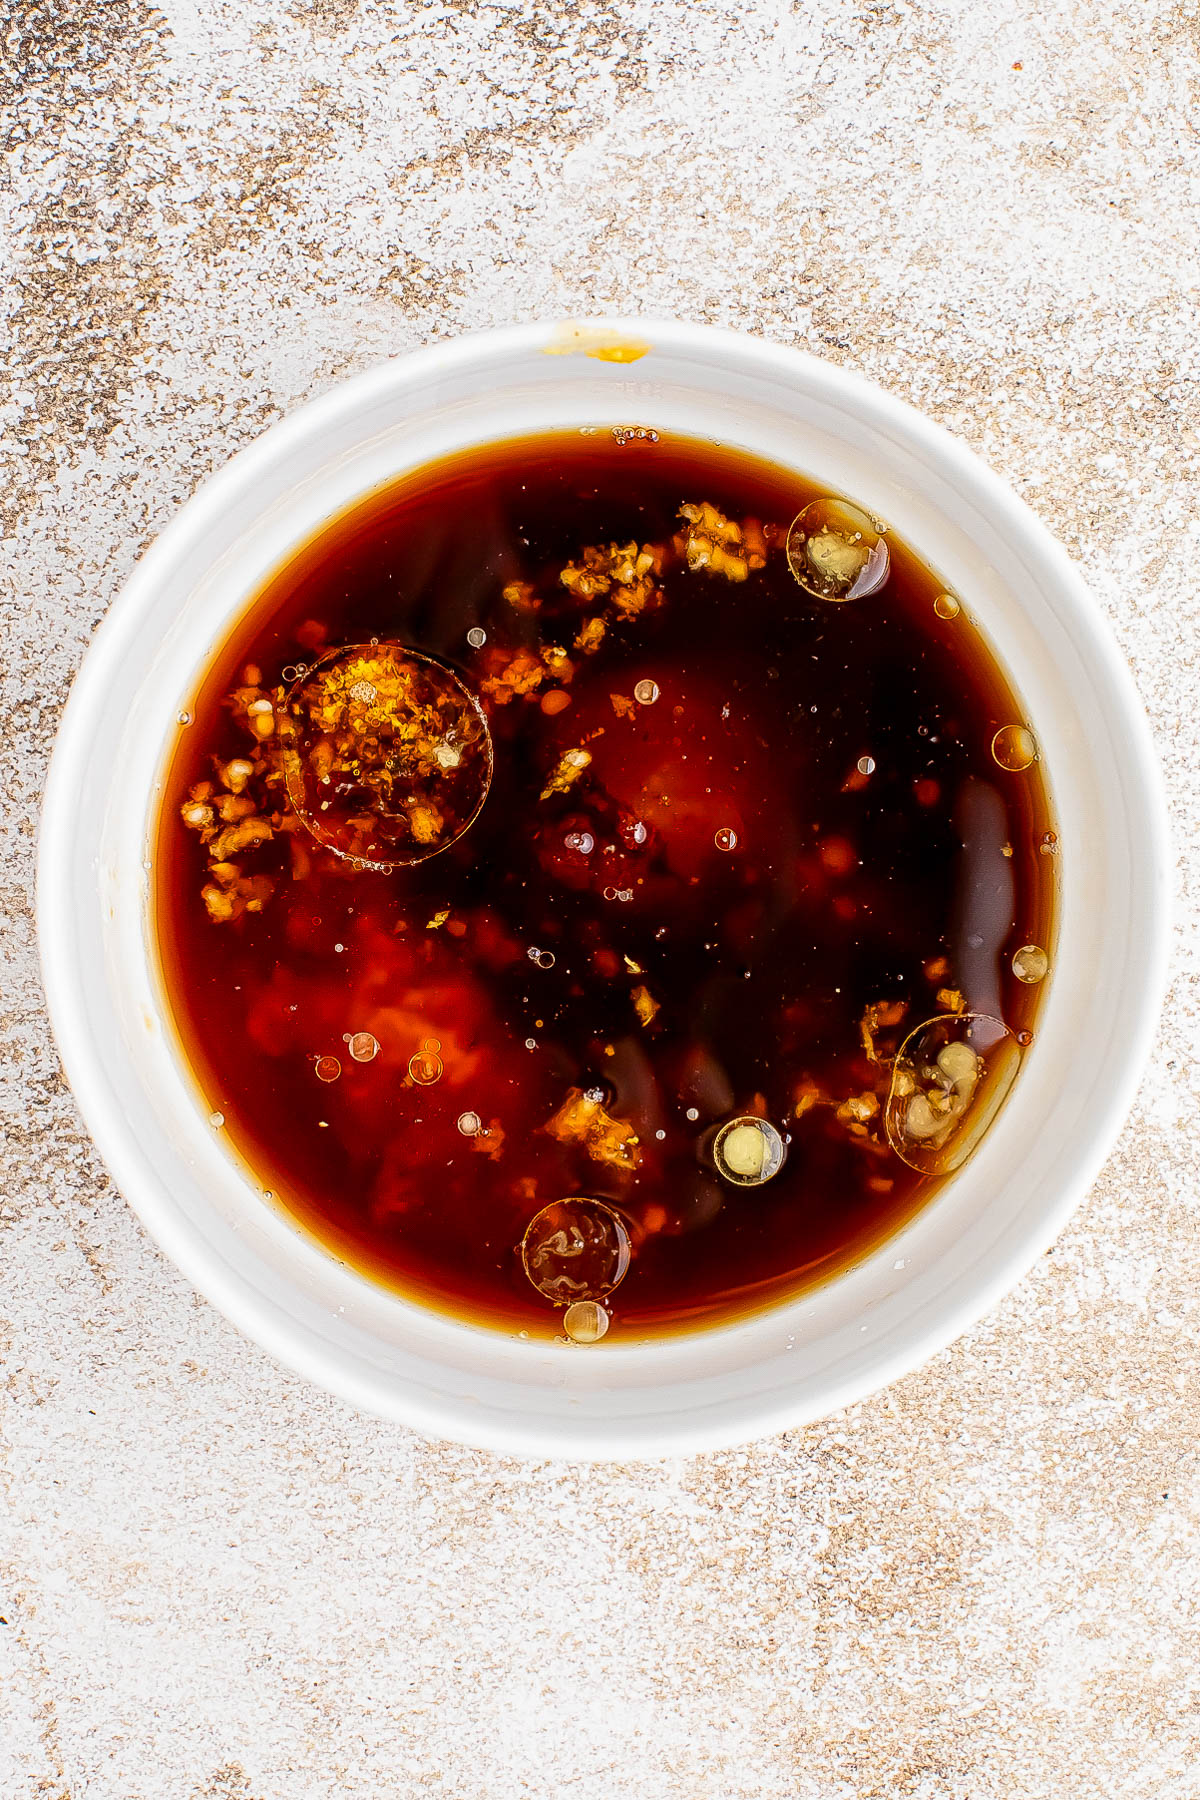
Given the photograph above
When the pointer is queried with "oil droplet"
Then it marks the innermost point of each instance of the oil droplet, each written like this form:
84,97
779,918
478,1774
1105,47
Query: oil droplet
946,606
576,1249
470,1124
216,1120
836,551
646,692
477,637
1030,963
1014,747
328,1068
413,764
362,1046
585,1322
726,838
950,1078
748,1150
866,765
425,1066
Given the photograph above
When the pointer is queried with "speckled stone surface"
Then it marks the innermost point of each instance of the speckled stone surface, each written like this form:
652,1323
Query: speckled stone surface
218,1584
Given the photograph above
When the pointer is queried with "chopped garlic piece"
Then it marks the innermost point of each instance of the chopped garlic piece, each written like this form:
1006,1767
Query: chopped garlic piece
644,1005
566,772
591,636
584,1121
714,542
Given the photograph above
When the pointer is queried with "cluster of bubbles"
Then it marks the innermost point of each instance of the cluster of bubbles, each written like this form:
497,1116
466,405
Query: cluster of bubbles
577,1251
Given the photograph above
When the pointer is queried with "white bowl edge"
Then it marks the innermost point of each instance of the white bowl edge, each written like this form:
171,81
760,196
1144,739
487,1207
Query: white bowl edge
675,1395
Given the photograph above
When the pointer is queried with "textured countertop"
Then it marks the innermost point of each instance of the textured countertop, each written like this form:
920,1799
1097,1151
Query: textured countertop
217,1583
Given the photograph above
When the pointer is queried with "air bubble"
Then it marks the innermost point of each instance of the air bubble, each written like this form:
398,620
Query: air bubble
470,1124
585,1322
402,743
646,692
693,1114
836,551
1030,963
477,637
726,838
950,1078
748,1151
216,1120
184,718
543,958
1014,747
583,841
363,1046
866,765
328,1068
575,1249
946,606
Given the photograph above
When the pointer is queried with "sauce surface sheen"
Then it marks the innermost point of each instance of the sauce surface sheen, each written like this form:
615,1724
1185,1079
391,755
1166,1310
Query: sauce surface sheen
806,820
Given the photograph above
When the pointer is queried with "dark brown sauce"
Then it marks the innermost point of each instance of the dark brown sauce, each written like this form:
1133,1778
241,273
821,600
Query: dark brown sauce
806,821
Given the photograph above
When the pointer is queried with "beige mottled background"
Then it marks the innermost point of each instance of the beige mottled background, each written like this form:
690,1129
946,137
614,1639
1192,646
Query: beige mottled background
216,1583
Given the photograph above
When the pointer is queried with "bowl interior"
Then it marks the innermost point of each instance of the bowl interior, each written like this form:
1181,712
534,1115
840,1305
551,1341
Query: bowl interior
798,1360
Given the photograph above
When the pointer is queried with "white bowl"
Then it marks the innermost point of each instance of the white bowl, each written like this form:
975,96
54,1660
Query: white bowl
796,1361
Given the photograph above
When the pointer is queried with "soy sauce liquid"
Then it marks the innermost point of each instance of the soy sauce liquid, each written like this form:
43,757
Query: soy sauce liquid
845,746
